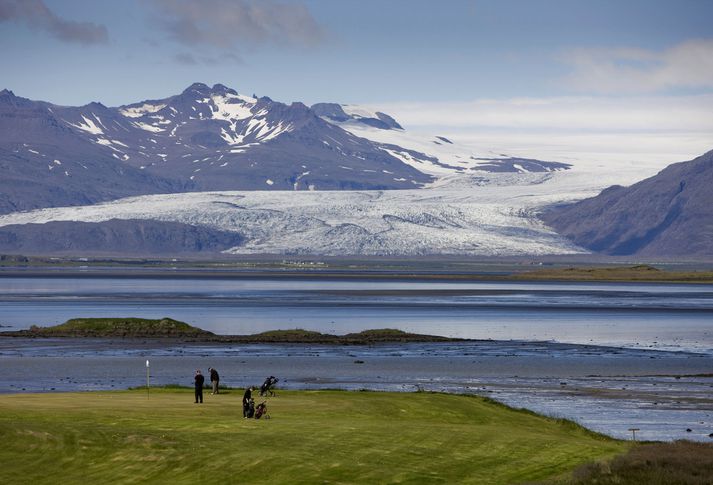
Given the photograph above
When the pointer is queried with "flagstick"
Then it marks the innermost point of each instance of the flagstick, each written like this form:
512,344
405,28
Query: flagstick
147,379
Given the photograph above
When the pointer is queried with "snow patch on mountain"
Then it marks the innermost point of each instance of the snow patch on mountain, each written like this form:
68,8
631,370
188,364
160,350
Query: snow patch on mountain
357,111
232,107
148,127
139,111
89,126
421,164
452,154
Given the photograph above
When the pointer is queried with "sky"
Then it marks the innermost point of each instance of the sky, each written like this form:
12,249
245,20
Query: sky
626,76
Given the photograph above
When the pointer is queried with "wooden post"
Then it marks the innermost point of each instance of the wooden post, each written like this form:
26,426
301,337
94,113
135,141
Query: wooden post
633,432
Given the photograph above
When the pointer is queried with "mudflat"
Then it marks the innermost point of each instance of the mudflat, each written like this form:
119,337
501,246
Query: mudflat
607,389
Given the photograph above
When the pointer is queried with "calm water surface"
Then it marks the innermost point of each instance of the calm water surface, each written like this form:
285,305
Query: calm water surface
606,389
659,316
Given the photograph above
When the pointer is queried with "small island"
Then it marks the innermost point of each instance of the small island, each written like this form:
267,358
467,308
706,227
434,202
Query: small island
167,328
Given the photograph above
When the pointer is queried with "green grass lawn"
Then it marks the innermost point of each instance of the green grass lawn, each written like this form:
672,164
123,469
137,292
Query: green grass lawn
313,437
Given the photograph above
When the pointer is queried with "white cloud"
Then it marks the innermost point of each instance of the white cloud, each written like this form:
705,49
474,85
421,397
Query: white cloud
654,113
652,131
688,65
642,154
642,110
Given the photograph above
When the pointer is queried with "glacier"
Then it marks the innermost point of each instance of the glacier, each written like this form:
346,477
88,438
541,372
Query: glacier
289,179
487,215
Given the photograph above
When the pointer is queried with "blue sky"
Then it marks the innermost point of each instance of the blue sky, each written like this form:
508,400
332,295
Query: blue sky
511,68
349,51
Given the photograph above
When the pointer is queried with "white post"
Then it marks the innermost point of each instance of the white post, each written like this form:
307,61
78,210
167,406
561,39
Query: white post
147,379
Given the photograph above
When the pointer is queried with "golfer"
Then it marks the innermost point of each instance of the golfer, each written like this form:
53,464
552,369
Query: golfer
247,397
214,379
199,380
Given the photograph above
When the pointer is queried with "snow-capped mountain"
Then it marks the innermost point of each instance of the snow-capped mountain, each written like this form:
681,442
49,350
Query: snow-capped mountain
216,139
341,113
212,138
435,155
213,170
45,161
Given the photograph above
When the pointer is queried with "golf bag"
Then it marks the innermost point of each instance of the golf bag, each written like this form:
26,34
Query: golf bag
261,410
266,387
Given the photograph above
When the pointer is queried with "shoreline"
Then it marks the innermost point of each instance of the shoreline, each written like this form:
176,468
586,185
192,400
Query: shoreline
226,341
605,389
642,274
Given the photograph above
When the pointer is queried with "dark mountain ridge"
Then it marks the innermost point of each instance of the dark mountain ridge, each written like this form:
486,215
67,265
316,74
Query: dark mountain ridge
115,237
201,139
669,214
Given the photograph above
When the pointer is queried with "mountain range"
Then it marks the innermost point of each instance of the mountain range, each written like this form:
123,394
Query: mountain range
205,139
212,170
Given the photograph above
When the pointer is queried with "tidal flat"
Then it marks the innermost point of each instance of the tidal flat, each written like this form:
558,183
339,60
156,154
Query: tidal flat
610,356
605,389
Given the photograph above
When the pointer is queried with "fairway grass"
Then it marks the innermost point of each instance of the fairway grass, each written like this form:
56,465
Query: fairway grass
312,437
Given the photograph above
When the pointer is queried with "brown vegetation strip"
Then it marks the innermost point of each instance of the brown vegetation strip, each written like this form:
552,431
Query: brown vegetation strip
680,462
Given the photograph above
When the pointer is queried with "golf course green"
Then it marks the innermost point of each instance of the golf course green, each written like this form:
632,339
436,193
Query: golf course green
312,437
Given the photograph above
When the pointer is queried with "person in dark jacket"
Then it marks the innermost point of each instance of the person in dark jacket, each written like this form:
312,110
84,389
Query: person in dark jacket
199,380
214,379
247,397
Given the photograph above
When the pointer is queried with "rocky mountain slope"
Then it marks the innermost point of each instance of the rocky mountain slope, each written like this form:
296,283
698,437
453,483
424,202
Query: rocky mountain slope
212,138
669,214
115,237
212,170
45,161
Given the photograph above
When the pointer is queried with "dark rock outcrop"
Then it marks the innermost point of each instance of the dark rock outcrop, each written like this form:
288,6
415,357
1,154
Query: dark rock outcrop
138,237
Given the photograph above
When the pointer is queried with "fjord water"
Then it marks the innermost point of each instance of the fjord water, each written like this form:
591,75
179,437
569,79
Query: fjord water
657,316
606,389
